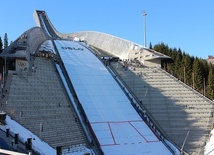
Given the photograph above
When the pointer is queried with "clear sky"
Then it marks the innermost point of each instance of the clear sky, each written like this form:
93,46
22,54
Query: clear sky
184,24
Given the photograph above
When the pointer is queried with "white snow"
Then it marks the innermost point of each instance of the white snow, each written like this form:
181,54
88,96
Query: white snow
209,148
38,145
176,151
47,46
117,126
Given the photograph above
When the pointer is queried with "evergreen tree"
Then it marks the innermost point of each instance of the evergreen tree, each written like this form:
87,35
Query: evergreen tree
150,45
178,64
173,56
192,70
162,48
186,69
197,75
205,68
5,41
182,69
169,52
1,44
210,83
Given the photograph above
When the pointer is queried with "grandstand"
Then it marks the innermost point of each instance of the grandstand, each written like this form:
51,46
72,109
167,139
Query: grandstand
33,101
176,107
94,93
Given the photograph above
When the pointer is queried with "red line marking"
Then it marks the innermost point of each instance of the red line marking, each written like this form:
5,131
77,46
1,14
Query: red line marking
109,144
111,133
130,122
118,121
143,136
153,141
138,132
153,131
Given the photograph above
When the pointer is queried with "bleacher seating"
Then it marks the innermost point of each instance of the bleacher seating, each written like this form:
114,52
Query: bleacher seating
38,101
176,107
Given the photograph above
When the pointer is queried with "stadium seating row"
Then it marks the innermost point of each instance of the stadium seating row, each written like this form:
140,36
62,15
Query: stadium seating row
38,102
176,107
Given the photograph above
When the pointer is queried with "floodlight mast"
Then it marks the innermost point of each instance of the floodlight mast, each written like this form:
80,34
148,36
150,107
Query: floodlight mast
144,14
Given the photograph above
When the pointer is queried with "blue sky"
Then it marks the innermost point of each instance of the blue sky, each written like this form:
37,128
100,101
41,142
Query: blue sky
184,24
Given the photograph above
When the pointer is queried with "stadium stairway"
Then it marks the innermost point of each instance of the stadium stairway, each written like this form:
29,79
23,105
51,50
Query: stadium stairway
176,107
38,101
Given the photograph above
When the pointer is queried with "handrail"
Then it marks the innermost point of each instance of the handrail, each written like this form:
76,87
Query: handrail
190,88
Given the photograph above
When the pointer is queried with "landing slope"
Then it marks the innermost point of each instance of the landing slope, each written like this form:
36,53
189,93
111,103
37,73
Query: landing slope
117,126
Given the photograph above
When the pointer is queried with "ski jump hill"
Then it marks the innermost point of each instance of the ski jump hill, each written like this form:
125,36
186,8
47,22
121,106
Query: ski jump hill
94,93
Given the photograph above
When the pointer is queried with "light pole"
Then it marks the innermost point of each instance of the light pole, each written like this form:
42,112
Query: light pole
193,81
184,142
144,14
184,75
204,86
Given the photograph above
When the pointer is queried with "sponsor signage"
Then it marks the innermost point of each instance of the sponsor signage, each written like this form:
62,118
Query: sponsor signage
73,48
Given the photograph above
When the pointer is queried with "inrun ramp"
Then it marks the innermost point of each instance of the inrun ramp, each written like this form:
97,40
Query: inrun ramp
117,126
